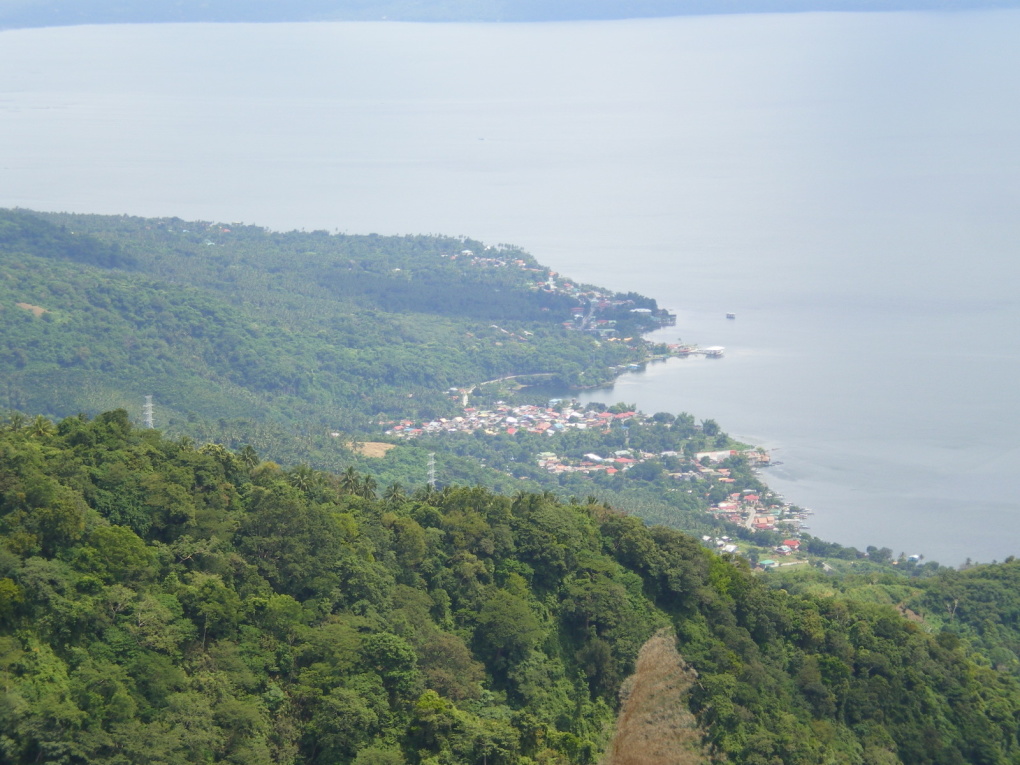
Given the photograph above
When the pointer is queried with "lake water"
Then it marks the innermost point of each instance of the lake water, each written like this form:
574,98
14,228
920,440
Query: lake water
847,184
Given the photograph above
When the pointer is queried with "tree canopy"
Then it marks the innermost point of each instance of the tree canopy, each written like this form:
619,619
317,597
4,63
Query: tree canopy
167,602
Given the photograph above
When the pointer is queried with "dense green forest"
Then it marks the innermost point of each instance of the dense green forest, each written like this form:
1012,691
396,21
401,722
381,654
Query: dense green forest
304,328
979,605
162,601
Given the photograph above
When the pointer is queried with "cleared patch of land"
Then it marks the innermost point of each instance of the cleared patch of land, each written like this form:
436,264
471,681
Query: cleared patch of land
655,726
36,310
371,448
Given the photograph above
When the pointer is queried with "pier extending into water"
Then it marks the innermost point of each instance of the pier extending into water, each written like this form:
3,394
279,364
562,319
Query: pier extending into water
709,351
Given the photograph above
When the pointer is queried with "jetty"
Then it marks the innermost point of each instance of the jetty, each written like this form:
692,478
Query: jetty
710,351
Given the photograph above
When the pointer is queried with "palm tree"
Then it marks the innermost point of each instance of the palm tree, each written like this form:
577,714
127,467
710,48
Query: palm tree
249,456
367,487
303,478
41,427
426,494
349,481
394,494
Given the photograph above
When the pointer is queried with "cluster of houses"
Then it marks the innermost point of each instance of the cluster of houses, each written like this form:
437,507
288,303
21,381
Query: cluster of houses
591,300
503,418
492,261
550,420
748,508
757,513
585,294
624,459
616,462
586,319
726,545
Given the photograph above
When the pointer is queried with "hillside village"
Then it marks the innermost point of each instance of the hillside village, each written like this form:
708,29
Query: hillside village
756,510
503,418
594,304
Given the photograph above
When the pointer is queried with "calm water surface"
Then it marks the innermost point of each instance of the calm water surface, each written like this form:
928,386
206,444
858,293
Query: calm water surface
848,185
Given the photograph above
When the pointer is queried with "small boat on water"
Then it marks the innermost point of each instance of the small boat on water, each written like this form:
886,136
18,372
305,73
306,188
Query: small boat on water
731,316
713,351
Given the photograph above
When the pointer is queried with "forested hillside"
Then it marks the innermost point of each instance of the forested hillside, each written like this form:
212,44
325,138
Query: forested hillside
167,602
978,606
302,343
302,329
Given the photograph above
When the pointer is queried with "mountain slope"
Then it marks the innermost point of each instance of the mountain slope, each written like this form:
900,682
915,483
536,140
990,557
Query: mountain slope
166,603
219,321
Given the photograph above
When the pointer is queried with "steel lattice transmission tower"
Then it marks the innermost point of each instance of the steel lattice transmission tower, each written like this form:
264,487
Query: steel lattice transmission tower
147,412
432,469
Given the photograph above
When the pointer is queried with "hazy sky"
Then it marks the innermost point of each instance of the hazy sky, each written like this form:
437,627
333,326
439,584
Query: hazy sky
35,13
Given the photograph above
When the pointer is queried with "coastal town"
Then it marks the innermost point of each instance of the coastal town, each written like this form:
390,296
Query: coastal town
602,314
753,509
503,418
